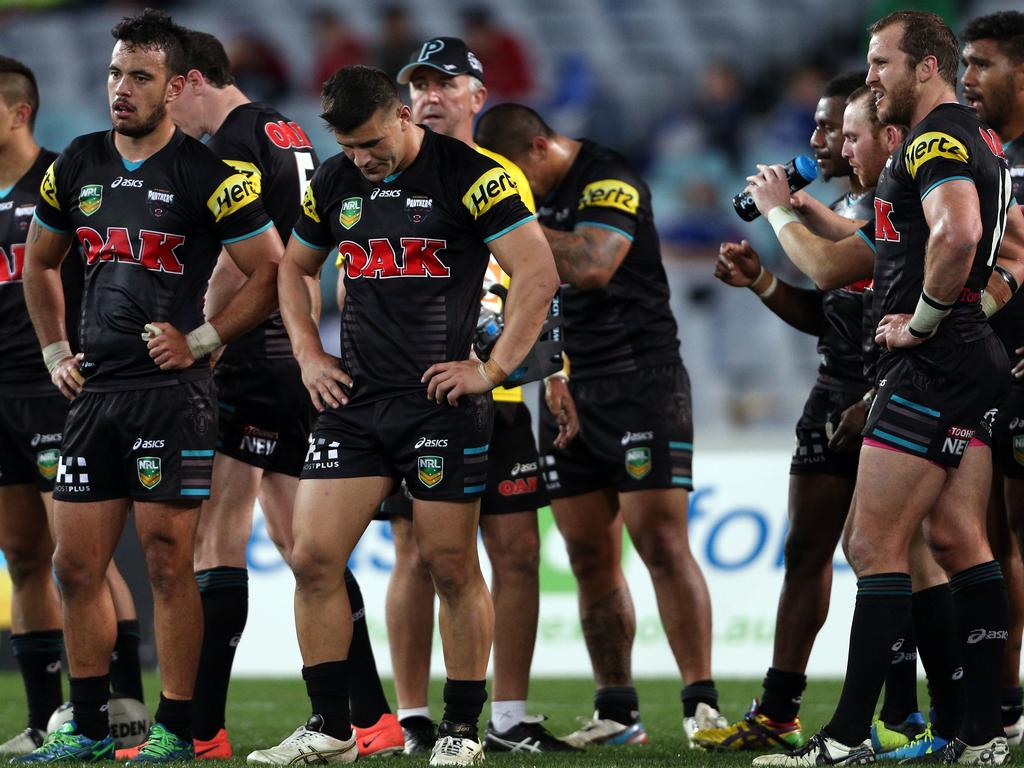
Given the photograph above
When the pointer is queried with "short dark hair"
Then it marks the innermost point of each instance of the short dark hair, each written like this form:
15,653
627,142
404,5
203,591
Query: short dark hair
508,129
925,34
18,84
843,84
1005,27
154,30
863,92
354,94
206,53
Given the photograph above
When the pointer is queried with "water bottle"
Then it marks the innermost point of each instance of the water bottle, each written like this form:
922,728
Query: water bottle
800,171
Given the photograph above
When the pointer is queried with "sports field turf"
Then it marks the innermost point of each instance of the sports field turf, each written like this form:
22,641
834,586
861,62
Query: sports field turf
262,712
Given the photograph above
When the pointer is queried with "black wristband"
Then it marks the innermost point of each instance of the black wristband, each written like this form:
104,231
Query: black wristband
935,303
1008,277
917,334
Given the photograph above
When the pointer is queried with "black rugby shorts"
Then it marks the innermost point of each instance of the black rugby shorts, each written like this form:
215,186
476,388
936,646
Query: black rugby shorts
30,437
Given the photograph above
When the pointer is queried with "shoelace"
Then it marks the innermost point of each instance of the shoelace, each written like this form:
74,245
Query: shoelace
450,746
160,743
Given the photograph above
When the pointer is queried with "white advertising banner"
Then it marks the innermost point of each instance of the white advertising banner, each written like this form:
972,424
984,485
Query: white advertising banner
737,529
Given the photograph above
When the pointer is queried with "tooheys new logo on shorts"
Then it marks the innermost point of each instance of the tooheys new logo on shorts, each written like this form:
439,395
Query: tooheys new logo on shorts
931,145
231,195
487,191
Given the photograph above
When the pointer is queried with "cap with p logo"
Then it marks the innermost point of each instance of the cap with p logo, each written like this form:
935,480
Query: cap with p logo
445,54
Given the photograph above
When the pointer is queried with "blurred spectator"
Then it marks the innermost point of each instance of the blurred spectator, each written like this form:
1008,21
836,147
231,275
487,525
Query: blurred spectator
396,40
791,122
701,224
259,69
336,46
721,110
509,74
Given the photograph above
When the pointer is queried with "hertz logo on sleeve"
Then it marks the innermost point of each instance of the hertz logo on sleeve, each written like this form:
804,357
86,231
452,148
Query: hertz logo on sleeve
309,204
489,190
610,193
250,171
48,188
233,194
930,145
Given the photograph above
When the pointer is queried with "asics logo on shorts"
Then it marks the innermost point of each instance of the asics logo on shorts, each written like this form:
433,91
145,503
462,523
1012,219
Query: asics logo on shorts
636,437
49,437
140,443
978,635
426,442
524,468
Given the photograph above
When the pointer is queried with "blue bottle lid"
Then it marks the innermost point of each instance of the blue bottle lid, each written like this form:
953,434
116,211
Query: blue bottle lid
806,167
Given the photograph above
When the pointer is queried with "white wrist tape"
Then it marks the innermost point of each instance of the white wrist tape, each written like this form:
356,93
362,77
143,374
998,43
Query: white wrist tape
780,216
767,292
927,316
203,340
54,353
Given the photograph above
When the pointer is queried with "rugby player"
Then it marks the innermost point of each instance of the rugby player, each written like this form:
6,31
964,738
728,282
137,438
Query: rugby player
993,83
265,415
415,215
446,85
941,208
149,208
32,414
849,141
631,462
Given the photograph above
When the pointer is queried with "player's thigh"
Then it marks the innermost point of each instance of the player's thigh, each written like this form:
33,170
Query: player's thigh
957,530
446,532
512,540
657,523
818,508
225,521
24,531
166,526
277,500
86,534
591,526
1013,495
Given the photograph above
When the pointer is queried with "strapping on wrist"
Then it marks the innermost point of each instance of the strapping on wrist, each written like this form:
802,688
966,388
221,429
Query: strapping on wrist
55,352
491,372
927,316
765,284
203,340
780,216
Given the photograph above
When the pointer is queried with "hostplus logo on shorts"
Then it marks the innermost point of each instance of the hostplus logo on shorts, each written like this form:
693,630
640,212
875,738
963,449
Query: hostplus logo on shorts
73,475
322,454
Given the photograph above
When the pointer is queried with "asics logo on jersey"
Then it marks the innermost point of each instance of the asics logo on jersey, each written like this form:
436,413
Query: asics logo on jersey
884,228
978,635
420,258
155,249
378,192
121,181
426,442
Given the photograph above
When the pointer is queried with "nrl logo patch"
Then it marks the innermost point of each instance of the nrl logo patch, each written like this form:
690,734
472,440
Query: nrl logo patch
431,470
1018,449
149,471
47,462
638,462
90,198
351,212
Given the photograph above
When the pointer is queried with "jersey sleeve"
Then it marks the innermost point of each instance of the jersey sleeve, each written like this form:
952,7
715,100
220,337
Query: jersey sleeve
53,208
491,198
312,228
235,205
867,234
238,154
936,157
610,198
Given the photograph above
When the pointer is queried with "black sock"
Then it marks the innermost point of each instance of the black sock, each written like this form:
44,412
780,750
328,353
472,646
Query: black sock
883,600
464,701
782,691
38,657
327,686
982,619
176,716
703,691
125,667
1012,705
934,623
901,679
89,697
619,704
224,593
366,694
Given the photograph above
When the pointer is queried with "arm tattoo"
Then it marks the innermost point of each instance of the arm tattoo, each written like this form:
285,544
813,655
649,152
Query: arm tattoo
575,258
33,232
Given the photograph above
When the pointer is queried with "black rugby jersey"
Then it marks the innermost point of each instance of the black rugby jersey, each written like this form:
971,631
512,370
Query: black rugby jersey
414,251
23,373
277,156
627,325
1008,323
949,144
150,234
842,345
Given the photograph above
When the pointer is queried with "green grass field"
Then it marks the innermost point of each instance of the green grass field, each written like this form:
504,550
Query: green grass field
262,712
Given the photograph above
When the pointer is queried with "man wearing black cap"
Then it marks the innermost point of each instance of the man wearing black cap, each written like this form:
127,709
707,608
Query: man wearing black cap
446,85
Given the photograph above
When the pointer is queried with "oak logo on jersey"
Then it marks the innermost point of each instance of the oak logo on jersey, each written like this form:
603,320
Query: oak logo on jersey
285,135
47,462
931,145
48,188
90,198
431,470
418,208
12,266
610,193
158,201
638,462
231,195
884,228
487,191
155,253
351,212
420,258
149,471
